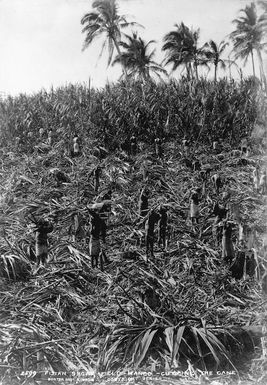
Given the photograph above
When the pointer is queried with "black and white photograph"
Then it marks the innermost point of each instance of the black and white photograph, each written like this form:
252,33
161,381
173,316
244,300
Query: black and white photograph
133,192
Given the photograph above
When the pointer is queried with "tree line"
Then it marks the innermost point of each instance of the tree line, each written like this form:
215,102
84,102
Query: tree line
181,45
200,109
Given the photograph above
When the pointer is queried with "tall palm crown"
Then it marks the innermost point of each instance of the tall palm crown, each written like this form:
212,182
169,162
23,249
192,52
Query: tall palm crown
263,17
248,36
137,59
182,48
213,54
105,20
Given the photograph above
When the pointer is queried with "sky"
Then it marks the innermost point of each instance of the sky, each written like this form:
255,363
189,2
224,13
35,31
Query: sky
41,40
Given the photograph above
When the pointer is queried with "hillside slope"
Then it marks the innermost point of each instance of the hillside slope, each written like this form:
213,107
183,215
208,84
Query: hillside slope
181,308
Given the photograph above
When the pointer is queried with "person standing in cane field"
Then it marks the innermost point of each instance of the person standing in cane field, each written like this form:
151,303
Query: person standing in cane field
41,241
97,229
185,144
143,203
244,146
76,146
215,146
50,139
194,207
153,218
217,182
97,173
158,147
145,170
41,132
133,144
163,221
256,178
227,243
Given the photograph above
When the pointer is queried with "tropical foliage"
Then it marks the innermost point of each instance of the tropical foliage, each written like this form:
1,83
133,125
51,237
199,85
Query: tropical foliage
213,54
248,37
105,20
137,60
263,17
181,46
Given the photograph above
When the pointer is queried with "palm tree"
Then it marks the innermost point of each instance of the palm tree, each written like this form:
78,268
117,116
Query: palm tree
137,59
230,62
263,17
248,37
105,20
213,54
182,48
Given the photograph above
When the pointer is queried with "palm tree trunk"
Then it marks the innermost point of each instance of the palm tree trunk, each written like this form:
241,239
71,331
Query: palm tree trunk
241,74
215,73
188,71
119,53
253,65
146,74
229,68
263,77
196,71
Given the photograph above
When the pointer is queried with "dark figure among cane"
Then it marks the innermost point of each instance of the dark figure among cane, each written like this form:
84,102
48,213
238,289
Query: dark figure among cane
158,147
163,222
194,207
98,229
143,203
97,173
76,151
217,182
227,243
153,218
41,240
133,144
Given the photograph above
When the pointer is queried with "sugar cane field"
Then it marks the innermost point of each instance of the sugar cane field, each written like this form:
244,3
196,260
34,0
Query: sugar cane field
133,234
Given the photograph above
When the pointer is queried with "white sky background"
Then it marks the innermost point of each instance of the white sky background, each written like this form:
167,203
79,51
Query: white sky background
41,40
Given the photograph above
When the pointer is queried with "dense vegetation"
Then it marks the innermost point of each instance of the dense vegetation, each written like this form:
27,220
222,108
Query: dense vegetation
182,310
201,110
187,309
